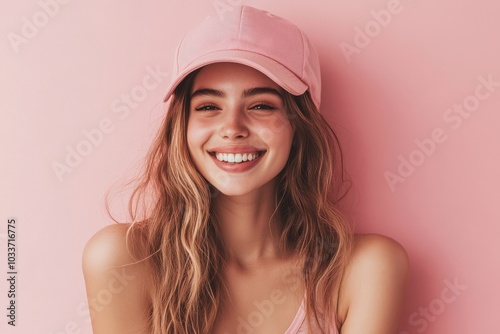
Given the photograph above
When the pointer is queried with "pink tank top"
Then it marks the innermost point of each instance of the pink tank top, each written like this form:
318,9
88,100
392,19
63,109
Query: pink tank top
299,323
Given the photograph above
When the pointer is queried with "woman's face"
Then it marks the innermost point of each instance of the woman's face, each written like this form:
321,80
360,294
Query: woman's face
238,132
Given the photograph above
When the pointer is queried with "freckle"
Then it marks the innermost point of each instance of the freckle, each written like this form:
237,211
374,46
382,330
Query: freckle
279,123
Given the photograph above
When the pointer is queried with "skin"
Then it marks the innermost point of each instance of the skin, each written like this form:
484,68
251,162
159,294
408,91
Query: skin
224,114
229,121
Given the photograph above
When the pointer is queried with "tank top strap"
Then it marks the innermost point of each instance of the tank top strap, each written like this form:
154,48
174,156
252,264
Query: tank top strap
299,325
297,322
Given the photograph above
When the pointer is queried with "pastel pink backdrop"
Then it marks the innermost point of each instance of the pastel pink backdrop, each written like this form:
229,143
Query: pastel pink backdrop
66,77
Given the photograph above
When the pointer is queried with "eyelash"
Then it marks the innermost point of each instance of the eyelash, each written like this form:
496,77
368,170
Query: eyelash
206,107
260,106
266,106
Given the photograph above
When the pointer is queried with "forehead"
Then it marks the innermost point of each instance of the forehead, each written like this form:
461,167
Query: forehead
231,75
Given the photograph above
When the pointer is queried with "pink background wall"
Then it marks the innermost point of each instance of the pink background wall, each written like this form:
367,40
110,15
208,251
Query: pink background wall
390,93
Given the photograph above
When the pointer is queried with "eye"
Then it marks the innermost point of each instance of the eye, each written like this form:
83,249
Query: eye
206,107
263,106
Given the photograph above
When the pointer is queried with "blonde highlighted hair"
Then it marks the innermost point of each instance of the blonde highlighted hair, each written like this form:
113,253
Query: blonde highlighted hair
175,230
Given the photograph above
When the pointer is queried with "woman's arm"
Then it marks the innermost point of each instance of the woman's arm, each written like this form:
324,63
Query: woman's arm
374,287
116,291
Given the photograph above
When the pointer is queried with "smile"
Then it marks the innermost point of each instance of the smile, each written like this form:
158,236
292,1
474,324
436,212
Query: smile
236,158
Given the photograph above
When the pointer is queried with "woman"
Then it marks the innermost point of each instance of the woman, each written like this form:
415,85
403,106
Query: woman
236,221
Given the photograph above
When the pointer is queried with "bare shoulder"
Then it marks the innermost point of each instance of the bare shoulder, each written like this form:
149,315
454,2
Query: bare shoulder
374,285
116,283
375,259
377,250
107,248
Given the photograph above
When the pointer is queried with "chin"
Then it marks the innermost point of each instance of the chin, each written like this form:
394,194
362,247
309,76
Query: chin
232,192
239,189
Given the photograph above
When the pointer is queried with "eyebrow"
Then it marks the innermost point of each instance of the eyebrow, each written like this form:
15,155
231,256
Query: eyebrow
208,92
262,90
246,93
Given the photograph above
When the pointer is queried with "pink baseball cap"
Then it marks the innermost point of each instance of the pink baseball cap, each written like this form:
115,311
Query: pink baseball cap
256,38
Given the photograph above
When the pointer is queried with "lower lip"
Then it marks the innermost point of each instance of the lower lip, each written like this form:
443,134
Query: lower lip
237,167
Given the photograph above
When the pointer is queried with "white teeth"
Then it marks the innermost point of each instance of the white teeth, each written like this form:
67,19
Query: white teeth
236,158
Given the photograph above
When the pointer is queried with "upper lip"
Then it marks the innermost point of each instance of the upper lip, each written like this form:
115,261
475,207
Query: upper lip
235,149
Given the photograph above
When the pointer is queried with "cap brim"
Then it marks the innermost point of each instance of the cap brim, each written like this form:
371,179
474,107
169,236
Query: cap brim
272,69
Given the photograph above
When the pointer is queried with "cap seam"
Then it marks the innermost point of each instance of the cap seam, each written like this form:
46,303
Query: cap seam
302,75
177,52
240,24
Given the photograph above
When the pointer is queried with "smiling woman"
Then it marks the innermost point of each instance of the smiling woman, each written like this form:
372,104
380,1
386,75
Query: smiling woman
232,135
272,251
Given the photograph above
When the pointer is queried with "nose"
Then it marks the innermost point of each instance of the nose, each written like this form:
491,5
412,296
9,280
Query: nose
234,124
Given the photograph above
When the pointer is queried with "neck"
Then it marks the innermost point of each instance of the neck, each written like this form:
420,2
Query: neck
248,226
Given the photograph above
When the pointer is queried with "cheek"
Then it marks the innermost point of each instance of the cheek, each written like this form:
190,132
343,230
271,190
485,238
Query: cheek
197,135
278,131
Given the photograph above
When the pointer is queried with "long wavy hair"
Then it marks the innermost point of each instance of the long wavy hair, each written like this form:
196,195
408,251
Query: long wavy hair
175,229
